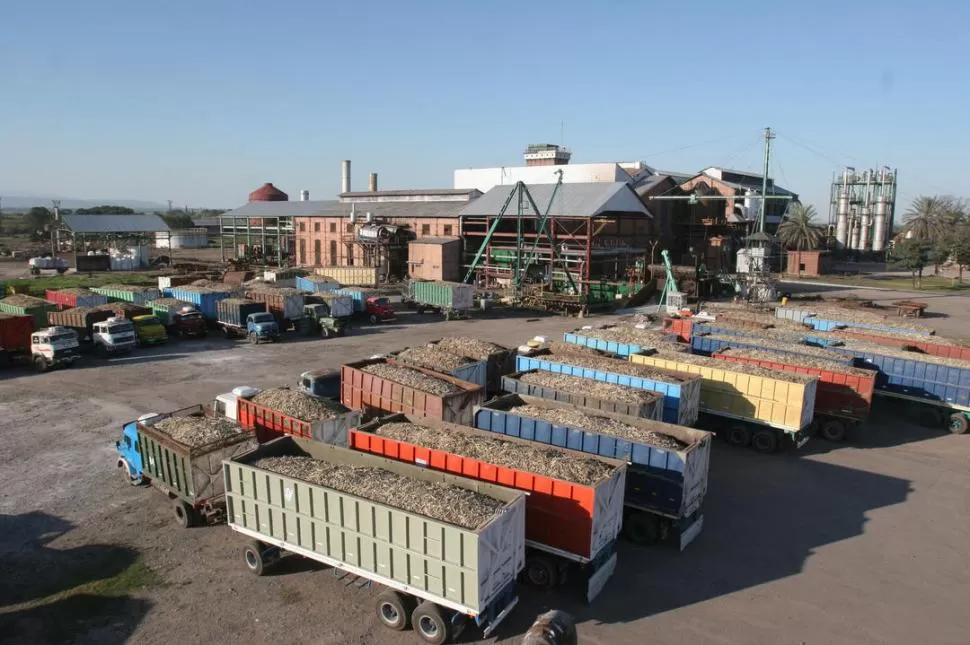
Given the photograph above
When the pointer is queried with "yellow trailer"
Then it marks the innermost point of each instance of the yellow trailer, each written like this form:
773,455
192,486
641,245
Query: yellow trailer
762,405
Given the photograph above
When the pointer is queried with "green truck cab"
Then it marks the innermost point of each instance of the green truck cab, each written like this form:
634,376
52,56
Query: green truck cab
149,330
318,319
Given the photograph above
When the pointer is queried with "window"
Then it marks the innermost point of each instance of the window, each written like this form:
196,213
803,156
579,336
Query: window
333,253
426,229
303,227
801,266
302,251
350,255
316,227
333,227
447,230
350,228
316,253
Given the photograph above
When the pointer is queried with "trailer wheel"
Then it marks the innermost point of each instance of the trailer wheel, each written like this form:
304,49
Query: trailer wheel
764,442
833,430
253,556
126,473
394,610
642,529
430,624
420,310
541,572
184,514
958,423
739,435
40,363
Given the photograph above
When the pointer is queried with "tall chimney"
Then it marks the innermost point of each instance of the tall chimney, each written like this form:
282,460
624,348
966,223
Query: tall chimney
372,183
345,176
304,195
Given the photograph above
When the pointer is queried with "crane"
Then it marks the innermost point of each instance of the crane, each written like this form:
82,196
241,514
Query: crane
670,286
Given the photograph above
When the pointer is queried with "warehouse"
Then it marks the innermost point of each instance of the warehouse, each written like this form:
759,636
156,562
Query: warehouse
112,242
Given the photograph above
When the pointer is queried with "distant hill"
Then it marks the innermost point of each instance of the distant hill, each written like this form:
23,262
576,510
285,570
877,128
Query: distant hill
22,203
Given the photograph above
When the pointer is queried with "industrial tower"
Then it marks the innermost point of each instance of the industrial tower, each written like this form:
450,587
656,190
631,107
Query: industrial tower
862,209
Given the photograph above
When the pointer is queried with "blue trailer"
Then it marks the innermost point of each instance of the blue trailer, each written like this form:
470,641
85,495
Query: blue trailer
707,345
682,394
205,299
723,330
577,337
652,408
820,323
473,372
665,489
316,284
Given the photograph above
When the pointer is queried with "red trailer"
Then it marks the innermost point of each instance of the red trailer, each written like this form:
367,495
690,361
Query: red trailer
15,333
72,298
844,395
565,521
926,344
679,326
269,424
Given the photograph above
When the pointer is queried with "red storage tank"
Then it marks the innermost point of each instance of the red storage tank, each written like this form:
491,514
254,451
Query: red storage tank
268,193
15,332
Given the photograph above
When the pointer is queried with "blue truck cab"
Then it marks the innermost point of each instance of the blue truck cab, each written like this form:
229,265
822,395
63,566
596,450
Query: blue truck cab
323,383
261,326
129,456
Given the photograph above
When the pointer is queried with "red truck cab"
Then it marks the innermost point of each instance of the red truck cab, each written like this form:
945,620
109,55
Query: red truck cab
379,309
190,322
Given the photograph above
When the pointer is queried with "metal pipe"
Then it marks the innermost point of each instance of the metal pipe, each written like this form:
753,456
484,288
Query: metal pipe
372,182
345,176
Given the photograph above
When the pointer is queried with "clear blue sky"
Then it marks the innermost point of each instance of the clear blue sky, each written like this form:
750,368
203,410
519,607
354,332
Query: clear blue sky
201,101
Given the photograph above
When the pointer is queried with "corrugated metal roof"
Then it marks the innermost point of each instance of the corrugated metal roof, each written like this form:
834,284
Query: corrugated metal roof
572,200
411,192
115,223
393,209
281,209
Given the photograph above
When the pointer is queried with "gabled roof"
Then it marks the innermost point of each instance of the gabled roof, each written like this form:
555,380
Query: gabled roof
571,200
115,223
385,210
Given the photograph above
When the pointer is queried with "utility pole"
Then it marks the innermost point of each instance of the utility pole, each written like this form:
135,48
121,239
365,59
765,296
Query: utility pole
56,212
170,206
764,180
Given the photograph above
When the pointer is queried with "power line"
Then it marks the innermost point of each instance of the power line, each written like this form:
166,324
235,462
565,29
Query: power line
695,145
822,155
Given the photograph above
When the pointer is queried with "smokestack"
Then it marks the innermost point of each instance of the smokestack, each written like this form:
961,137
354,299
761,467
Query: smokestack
304,195
345,176
372,183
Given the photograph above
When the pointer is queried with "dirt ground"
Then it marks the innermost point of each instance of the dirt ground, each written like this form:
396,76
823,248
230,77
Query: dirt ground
864,542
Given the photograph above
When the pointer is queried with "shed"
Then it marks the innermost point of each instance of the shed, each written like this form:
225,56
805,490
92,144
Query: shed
129,237
435,258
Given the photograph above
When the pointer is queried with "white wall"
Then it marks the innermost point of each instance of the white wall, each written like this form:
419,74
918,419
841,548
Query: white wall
486,178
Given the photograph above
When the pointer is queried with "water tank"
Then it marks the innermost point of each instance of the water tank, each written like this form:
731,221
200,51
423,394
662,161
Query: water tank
268,193
372,233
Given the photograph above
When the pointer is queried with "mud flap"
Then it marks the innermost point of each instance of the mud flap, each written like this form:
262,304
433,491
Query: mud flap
691,532
597,580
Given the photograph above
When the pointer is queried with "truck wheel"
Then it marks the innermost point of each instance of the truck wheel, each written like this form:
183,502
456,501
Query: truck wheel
372,319
420,311
394,610
764,442
126,473
739,435
325,332
447,316
184,514
40,363
253,556
833,430
958,423
541,572
642,529
252,338
552,628
430,624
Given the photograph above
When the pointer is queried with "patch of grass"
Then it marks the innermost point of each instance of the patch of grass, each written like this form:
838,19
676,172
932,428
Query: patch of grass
37,286
135,577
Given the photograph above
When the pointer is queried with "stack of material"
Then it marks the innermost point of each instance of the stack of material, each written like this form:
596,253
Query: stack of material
473,348
432,358
599,389
299,405
753,370
583,357
573,418
807,361
784,344
197,431
435,500
532,458
634,335
412,378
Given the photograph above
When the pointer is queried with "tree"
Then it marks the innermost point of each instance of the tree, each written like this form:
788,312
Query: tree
799,231
961,249
106,210
177,220
912,254
38,218
932,218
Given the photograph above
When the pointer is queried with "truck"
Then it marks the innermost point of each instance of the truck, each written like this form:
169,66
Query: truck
755,408
829,319
269,424
570,525
432,585
42,348
286,304
369,305
708,344
843,398
318,319
74,297
136,294
205,299
190,476
113,336
453,299
606,339
665,487
240,318
378,396
340,306
149,330
499,360
316,284
20,304
180,318
323,382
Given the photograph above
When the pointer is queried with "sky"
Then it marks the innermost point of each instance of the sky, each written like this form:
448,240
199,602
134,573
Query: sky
202,102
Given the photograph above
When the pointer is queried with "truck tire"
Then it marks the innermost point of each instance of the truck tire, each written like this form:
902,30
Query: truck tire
40,364
394,610
430,624
739,434
184,514
552,628
373,319
325,332
420,310
833,430
642,528
958,423
126,473
765,442
253,557
541,571
252,338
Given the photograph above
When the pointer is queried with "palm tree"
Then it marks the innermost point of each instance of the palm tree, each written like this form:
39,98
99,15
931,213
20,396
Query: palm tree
927,219
799,231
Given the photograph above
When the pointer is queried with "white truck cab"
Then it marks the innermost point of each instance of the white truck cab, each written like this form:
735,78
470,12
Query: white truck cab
54,346
227,405
113,335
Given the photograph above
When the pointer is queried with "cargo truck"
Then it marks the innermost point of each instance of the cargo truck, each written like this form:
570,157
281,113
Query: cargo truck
754,407
652,408
569,525
285,304
269,424
318,320
71,298
315,284
113,336
241,318
149,330
128,293
205,299
369,305
191,476
665,487
471,371
431,584
20,304
350,276
43,348
180,318
324,382
453,299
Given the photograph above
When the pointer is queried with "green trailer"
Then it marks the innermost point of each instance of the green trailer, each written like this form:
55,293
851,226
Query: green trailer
435,573
128,293
24,305
453,299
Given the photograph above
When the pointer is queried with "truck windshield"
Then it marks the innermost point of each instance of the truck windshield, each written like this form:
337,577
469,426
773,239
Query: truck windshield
143,322
118,329
382,301
263,318
60,338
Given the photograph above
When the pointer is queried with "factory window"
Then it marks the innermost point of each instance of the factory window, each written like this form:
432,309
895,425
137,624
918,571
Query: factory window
801,266
316,253
350,228
447,230
333,253
316,227
350,255
302,251
426,229
333,227
303,227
